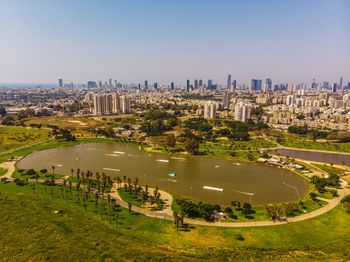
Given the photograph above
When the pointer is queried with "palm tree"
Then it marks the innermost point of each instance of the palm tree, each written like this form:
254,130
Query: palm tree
136,180
118,181
78,173
129,207
53,170
129,182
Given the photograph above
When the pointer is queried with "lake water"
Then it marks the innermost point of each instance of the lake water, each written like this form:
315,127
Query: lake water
339,159
240,181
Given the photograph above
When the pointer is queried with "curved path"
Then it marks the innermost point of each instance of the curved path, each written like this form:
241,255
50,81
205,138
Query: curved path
167,213
10,166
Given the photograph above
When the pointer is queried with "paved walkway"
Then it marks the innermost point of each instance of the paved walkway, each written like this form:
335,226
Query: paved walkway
167,213
10,166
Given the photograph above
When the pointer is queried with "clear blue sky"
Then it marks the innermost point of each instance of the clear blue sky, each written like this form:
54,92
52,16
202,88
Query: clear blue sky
163,40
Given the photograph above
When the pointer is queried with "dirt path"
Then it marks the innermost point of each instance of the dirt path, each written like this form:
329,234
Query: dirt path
165,196
10,166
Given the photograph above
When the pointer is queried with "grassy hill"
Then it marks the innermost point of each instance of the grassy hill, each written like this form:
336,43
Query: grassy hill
32,230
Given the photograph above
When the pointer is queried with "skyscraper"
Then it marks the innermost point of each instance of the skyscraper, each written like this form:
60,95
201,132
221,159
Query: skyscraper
226,98
99,104
155,86
200,82
110,83
172,86
60,82
334,88
210,84
195,83
268,83
255,85
313,84
91,84
125,104
188,85
341,83
233,86
228,86
116,103
146,84
325,85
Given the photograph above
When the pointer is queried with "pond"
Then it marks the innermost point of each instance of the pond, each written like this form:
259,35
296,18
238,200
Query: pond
206,179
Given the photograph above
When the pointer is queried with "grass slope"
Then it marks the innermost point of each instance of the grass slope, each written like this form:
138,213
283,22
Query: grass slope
31,230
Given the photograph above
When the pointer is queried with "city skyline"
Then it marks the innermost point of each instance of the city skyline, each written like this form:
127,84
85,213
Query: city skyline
289,42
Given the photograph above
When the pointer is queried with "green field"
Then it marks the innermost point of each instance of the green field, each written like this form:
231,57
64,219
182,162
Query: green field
298,141
2,171
329,169
14,137
31,230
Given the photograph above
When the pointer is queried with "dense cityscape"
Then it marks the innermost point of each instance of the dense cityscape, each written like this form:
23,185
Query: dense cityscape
316,105
148,130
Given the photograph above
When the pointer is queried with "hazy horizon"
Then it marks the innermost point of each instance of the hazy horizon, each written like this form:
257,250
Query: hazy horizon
163,41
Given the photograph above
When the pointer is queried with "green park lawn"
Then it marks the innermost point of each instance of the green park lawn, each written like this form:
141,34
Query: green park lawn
13,137
2,171
298,141
329,169
76,234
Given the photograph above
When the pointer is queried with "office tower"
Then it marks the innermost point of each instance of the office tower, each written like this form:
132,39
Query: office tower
100,84
341,83
116,83
290,100
268,83
146,84
348,85
60,82
172,86
91,84
116,103
233,86
195,83
200,82
325,85
209,110
110,83
125,104
334,88
226,98
188,85
228,85
71,85
210,84
313,84
255,85
155,86
242,112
